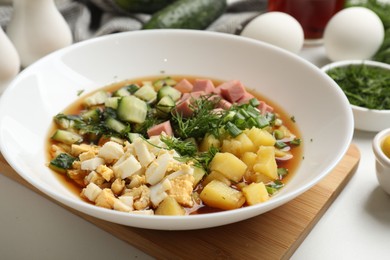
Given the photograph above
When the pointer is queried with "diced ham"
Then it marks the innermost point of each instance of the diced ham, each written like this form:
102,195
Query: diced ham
232,90
205,85
184,86
224,104
217,91
245,99
265,108
160,128
183,106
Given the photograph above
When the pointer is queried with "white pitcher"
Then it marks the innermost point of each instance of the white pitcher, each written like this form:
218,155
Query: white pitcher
9,60
36,29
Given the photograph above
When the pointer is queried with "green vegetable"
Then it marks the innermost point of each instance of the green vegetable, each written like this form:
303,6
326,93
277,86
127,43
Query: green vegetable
168,81
169,91
187,14
164,106
66,137
364,86
383,11
203,120
233,129
92,115
146,93
383,54
62,162
274,186
143,6
97,98
116,125
132,109
282,172
183,147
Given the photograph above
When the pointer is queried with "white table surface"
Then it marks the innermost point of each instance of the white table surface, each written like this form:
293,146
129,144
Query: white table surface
356,226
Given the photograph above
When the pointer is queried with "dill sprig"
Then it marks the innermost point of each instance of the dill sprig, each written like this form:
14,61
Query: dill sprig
203,120
188,151
183,147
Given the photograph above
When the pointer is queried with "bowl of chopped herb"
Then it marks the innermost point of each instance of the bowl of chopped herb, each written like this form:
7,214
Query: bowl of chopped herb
366,84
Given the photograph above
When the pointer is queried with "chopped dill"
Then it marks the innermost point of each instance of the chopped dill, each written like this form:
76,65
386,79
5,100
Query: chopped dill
204,119
183,147
364,85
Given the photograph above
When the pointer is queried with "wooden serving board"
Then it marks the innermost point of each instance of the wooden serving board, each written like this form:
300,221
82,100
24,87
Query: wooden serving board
273,235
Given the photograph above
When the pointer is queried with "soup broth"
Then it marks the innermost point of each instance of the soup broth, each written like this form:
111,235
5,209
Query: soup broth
199,207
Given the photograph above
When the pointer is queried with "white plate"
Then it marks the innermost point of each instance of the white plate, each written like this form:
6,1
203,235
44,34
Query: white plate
45,88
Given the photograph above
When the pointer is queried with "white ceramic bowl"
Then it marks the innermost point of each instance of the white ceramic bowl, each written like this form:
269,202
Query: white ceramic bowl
45,88
372,120
382,162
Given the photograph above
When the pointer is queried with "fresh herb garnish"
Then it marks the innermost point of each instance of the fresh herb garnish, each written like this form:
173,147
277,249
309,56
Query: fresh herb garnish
204,119
274,186
364,85
183,147
62,162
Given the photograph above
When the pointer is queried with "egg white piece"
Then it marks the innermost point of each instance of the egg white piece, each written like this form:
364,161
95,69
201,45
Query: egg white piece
353,33
277,28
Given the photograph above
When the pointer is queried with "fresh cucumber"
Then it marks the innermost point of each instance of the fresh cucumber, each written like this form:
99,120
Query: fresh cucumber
169,91
187,14
112,102
97,98
62,162
122,92
133,136
146,93
91,115
115,125
66,137
164,106
158,84
132,109
132,88
143,6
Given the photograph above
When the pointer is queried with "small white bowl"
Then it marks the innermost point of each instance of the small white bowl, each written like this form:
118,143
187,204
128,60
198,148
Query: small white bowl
382,162
372,120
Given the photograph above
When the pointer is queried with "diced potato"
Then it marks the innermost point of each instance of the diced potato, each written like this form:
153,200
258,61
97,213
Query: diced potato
258,177
266,163
231,146
241,185
198,175
286,132
260,137
218,195
246,143
208,142
229,165
169,206
249,158
214,175
255,193
238,145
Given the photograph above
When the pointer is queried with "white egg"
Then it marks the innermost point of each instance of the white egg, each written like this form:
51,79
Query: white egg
277,28
353,33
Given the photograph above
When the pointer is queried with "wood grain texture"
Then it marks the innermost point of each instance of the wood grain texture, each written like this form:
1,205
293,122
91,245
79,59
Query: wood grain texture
273,235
